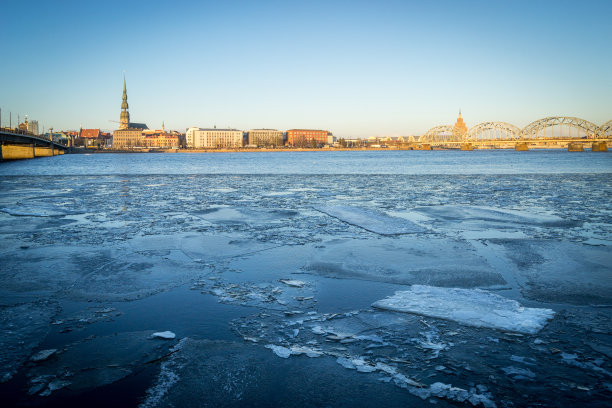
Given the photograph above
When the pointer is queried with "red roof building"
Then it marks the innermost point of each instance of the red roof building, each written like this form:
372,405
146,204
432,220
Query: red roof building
90,133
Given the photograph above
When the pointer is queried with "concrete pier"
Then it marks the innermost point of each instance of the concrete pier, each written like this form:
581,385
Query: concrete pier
521,147
25,151
423,146
575,147
599,147
467,146
17,152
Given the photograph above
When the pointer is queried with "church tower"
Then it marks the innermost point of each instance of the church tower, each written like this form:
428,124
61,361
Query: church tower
124,121
460,127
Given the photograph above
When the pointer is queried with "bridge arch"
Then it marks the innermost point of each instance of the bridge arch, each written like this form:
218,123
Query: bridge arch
440,134
606,129
498,131
543,128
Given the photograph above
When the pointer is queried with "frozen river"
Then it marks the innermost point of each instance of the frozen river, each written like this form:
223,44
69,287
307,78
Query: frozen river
307,279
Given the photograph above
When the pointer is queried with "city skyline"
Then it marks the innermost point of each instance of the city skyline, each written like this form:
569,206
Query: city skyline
357,69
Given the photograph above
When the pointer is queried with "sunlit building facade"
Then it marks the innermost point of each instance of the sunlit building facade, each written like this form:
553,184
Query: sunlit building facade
265,137
306,137
213,138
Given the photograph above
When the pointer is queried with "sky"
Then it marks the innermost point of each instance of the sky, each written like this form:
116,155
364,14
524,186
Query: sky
355,68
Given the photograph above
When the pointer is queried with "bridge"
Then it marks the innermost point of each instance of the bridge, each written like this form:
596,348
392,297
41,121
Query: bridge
554,131
18,144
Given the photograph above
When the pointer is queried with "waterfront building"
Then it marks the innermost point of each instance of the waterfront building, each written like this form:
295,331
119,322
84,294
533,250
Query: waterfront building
213,138
460,128
90,137
160,139
30,126
308,137
265,137
33,126
129,134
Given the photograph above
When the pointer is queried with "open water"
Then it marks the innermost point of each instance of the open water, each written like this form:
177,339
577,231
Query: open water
440,278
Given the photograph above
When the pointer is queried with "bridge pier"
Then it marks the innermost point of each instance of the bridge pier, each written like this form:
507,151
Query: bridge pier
467,146
575,147
17,152
43,152
423,146
521,147
599,147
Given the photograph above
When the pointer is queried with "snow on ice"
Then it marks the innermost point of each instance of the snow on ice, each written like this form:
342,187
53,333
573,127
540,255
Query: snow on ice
473,307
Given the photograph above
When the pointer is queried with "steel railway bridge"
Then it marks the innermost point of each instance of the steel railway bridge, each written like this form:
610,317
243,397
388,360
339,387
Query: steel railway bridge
550,131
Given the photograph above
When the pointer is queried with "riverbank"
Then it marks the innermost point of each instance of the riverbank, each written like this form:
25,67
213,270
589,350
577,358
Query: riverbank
329,149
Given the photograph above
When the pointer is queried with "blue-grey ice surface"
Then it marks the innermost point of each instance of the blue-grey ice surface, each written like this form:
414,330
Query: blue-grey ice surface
473,279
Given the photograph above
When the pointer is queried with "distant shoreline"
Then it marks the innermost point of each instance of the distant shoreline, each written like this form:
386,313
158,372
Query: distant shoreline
263,150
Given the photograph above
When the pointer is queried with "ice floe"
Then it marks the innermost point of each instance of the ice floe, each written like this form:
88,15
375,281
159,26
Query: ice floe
293,282
473,307
371,220
94,362
166,335
467,213
43,355
519,373
412,260
38,211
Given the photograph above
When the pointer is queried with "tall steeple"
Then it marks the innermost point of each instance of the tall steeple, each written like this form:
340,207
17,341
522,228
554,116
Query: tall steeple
460,128
124,121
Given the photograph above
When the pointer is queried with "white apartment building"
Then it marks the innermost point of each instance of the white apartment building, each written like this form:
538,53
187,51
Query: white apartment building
212,138
266,137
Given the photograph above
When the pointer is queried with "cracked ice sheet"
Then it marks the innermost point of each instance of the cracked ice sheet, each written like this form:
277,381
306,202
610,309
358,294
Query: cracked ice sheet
369,341
455,216
473,307
238,215
557,272
371,220
112,273
95,362
408,260
23,328
218,373
204,248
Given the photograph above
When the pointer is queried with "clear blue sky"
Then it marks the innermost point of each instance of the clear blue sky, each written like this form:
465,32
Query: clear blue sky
357,68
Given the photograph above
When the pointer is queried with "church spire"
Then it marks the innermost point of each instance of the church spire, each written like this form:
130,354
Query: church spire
124,120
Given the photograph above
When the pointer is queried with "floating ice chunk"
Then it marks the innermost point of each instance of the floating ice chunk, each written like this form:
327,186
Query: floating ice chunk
371,220
455,213
25,211
523,360
473,307
167,335
310,352
447,391
519,373
358,364
280,351
318,330
293,282
43,355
